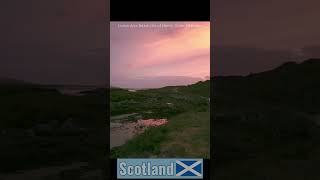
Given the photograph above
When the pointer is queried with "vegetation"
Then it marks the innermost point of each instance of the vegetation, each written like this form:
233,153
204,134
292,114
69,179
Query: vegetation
186,135
266,125
41,127
23,107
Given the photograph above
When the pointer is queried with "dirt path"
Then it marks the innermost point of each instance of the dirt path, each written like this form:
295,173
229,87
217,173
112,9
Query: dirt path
120,135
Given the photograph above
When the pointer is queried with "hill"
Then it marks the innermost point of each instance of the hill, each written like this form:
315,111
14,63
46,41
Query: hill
187,109
266,118
124,101
291,84
50,127
201,88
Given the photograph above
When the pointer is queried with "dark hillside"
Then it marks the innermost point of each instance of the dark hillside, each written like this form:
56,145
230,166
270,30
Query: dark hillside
266,118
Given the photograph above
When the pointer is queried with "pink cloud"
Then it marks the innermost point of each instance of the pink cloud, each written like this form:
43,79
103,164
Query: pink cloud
162,52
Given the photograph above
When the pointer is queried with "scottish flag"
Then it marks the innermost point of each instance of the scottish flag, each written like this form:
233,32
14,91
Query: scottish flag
159,168
189,168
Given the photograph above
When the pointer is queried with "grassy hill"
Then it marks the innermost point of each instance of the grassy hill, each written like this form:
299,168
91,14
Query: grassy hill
182,98
266,125
201,88
41,127
186,135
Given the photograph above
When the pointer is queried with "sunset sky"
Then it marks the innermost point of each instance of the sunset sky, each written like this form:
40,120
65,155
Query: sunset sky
61,42
159,53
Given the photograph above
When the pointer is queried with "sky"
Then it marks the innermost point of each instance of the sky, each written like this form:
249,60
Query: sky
157,54
66,41
253,36
54,42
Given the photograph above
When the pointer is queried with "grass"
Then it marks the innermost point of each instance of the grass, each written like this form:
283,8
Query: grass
186,135
189,136
182,98
24,108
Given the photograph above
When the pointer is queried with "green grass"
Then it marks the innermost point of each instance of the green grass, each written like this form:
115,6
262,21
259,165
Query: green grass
183,98
189,136
186,135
